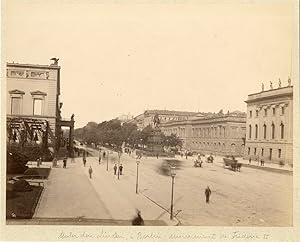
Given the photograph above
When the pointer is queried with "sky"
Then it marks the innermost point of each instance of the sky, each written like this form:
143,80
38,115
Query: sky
120,57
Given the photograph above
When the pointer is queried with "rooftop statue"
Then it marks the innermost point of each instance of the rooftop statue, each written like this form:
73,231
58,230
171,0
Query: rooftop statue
156,120
55,61
271,85
262,87
279,83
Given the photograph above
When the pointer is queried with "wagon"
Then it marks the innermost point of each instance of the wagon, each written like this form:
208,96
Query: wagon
232,163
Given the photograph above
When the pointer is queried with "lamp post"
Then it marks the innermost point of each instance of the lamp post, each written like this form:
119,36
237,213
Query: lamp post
107,161
119,155
137,176
173,174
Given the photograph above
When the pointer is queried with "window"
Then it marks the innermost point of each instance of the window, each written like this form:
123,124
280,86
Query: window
256,131
273,131
250,114
38,98
250,131
265,131
282,110
282,130
274,111
254,151
256,113
262,152
279,153
271,153
16,101
266,111
37,106
15,105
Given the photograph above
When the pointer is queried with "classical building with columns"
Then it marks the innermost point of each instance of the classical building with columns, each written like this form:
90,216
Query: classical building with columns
33,107
220,134
146,118
269,134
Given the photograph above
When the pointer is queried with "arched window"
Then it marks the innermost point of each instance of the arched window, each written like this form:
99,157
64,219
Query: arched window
250,131
282,130
265,131
256,131
273,130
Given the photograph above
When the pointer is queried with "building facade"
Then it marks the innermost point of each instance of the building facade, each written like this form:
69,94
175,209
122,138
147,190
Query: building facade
220,134
269,134
147,118
33,105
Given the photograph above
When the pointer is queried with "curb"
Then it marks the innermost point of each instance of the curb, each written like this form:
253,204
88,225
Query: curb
167,222
269,169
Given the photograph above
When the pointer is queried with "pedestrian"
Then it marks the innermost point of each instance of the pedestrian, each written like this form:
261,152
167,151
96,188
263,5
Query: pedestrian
250,160
138,220
121,169
115,169
262,162
207,194
84,161
156,155
90,172
103,154
65,162
99,159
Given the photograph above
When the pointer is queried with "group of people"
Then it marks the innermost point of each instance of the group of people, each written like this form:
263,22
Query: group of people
261,162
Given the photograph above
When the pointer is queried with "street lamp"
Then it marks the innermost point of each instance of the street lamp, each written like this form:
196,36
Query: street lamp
173,174
119,155
137,176
107,160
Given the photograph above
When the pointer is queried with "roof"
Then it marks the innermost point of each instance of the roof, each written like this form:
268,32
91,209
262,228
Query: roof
51,66
170,112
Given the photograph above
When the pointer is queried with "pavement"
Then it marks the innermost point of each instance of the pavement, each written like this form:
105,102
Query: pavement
251,197
70,193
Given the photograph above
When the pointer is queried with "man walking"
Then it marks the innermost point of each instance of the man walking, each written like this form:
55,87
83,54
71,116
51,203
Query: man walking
121,169
99,159
84,161
207,194
90,172
65,162
115,169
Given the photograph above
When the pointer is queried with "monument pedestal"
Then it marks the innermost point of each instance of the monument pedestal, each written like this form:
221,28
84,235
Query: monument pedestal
155,145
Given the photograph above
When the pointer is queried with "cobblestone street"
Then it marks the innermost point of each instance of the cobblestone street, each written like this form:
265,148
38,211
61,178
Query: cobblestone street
252,197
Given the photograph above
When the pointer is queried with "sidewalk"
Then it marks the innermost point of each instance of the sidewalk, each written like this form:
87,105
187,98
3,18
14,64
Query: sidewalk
267,166
70,193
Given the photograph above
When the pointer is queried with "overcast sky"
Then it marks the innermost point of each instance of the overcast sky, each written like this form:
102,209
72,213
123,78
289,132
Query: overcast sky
125,58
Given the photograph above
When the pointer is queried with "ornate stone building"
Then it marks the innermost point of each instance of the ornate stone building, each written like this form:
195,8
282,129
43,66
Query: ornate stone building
147,118
33,105
269,133
220,134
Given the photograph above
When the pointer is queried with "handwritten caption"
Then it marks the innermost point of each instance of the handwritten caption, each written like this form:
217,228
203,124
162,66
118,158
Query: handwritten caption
103,234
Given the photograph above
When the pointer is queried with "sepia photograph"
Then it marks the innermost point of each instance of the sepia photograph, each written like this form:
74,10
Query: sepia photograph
149,113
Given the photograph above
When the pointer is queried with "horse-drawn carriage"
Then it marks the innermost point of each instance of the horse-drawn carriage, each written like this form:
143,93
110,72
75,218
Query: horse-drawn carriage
198,163
210,159
232,163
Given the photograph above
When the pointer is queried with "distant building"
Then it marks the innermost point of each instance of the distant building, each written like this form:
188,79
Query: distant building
147,118
220,134
33,106
269,133
125,118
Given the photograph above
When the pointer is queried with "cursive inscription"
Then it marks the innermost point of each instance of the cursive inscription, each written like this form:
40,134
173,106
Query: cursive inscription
103,235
